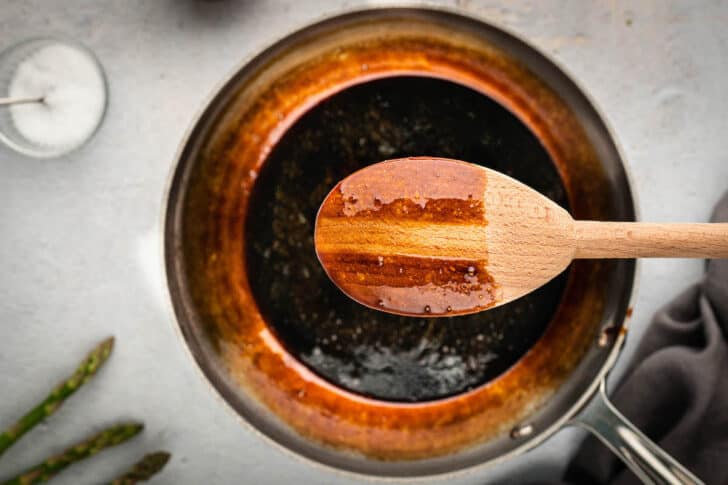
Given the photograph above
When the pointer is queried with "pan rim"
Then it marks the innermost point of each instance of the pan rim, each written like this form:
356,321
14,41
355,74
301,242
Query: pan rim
208,106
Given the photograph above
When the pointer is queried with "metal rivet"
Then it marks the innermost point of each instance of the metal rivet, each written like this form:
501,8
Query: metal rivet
603,339
606,336
521,430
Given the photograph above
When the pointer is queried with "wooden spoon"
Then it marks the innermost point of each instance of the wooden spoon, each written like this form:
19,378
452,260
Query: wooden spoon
439,237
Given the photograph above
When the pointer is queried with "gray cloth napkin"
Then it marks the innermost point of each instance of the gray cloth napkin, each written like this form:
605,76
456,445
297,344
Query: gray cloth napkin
676,391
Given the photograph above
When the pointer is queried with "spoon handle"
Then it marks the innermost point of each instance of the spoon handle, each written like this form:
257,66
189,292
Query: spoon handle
26,100
650,240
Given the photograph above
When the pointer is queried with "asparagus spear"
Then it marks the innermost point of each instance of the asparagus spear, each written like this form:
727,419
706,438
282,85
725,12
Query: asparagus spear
48,406
53,465
148,466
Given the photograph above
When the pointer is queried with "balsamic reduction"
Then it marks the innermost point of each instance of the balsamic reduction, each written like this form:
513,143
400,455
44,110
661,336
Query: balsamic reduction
381,355
362,243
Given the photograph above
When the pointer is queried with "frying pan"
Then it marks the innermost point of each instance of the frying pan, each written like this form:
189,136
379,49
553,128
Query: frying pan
558,382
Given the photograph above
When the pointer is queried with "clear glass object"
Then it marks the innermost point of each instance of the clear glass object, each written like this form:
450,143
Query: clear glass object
85,84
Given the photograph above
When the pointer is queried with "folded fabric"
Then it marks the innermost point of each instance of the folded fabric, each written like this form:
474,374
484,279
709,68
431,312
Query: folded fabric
676,391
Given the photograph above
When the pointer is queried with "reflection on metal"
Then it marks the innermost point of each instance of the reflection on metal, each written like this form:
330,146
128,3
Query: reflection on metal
521,430
606,336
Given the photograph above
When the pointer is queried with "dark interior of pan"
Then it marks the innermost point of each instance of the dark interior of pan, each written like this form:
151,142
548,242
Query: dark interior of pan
322,375
381,355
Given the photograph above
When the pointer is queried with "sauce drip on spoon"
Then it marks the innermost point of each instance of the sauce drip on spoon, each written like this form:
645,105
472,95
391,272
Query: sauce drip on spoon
380,255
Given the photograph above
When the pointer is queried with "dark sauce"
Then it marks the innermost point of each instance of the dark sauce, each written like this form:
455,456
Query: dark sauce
436,267
381,355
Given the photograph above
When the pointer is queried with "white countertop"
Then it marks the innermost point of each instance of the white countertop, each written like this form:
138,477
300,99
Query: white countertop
79,236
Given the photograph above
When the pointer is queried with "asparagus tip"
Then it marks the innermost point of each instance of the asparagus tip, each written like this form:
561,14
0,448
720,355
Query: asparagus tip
157,460
144,469
107,344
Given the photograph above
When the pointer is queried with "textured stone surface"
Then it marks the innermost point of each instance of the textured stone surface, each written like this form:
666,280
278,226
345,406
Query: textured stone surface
79,236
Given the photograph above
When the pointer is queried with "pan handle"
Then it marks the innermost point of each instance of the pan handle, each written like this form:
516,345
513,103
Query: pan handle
647,460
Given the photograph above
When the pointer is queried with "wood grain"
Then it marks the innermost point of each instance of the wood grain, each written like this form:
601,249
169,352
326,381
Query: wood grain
529,237
650,240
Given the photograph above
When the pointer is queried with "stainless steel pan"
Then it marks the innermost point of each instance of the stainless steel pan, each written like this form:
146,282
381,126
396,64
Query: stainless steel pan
559,382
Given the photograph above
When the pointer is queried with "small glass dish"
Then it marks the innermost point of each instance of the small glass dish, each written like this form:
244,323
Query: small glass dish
38,129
